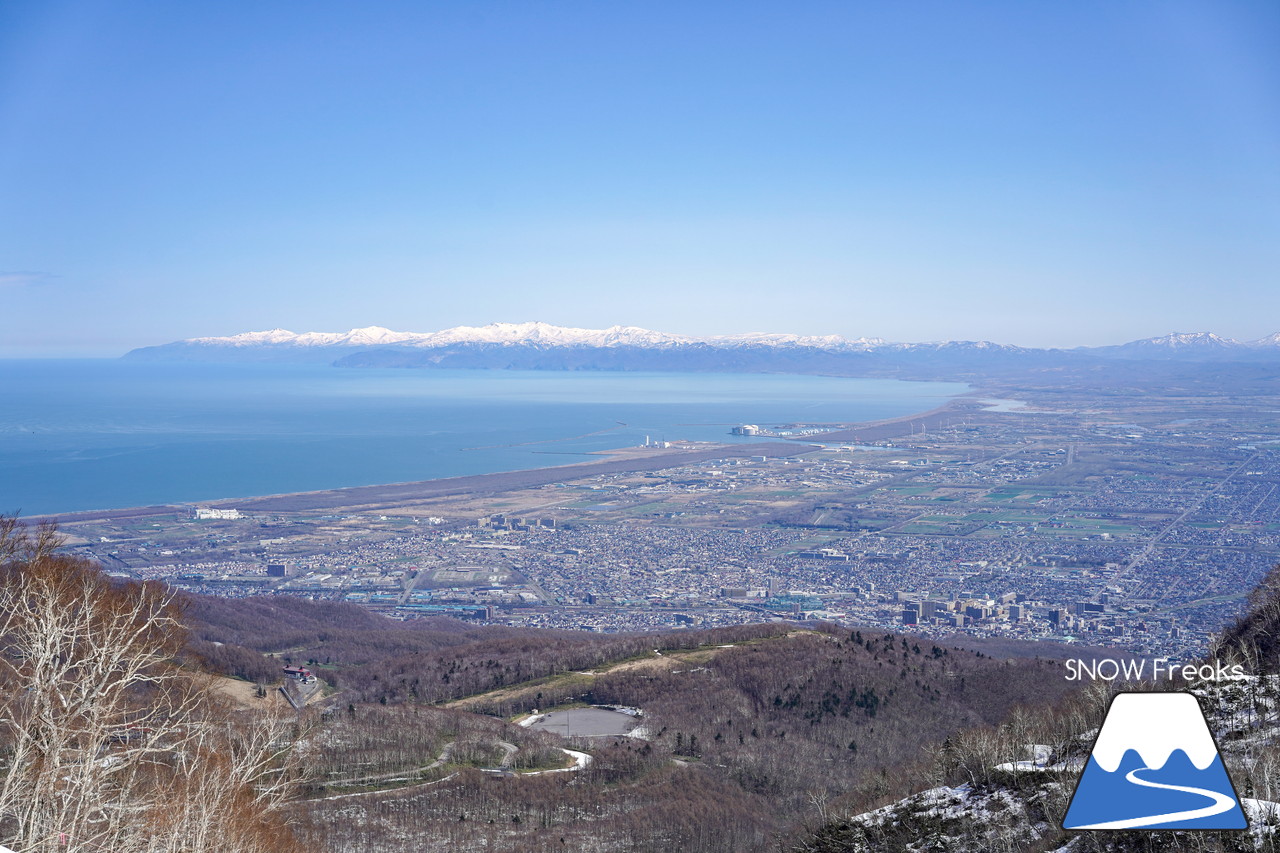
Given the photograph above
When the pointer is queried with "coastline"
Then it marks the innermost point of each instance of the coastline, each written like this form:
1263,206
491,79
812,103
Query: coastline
968,407
386,496
391,495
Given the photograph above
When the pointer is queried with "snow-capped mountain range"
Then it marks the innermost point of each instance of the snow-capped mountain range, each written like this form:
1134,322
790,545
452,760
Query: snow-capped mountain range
544,346
523,334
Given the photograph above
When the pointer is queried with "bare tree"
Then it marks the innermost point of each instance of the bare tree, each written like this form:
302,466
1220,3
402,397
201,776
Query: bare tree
235,774
106,743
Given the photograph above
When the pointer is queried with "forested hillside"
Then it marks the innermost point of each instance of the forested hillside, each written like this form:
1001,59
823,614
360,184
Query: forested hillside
1255,636
1007,788
106,743
759,738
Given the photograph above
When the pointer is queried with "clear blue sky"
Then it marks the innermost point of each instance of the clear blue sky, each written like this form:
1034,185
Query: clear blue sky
1034,173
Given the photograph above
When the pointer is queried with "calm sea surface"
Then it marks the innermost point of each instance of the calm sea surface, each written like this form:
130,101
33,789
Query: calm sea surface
106,434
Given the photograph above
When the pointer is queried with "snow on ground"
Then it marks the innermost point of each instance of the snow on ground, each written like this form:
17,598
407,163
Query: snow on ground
531,720
1261,810
1264,819
580,760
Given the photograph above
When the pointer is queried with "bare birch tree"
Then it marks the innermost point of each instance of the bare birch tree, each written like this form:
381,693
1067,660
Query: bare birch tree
105,742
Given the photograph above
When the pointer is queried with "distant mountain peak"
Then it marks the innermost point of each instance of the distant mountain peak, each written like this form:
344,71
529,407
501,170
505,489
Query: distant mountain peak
1272,340
1187,339
536,344
271,336
534,332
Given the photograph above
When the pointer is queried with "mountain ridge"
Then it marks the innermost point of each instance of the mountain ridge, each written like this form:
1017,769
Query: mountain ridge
543,346
534,332
537,332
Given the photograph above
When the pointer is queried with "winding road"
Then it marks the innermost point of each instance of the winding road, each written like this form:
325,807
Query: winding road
580,760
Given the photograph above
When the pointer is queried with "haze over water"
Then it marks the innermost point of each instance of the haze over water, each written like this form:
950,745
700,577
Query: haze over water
106,434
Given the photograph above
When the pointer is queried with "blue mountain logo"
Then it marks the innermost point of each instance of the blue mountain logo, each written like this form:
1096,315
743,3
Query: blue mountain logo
1155,766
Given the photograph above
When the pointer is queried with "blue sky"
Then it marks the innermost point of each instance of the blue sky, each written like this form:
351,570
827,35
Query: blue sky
1051,174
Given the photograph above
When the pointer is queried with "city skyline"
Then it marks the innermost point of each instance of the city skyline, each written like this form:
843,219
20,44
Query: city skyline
1036,176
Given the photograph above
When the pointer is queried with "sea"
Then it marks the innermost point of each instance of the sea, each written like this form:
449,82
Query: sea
110,434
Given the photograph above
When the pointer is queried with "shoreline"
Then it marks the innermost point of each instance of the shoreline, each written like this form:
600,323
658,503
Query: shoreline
969,406
381,497
385,496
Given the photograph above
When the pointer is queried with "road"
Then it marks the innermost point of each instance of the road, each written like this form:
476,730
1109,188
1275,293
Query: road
1192,507
443,758
509,750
